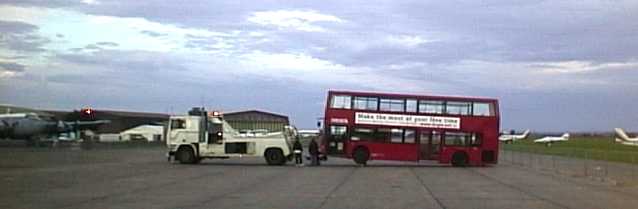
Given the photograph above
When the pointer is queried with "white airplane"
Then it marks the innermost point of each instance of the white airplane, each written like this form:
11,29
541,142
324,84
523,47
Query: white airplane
509,138
623,138
548,140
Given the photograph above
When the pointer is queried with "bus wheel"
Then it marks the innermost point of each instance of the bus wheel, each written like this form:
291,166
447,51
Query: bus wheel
361,155
185,155
275,157
459,159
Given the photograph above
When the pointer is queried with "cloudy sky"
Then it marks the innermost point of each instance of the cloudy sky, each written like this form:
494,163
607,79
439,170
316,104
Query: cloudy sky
554,65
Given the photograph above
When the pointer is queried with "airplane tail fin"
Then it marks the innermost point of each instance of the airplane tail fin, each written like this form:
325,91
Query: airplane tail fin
620,133
526,133
565,135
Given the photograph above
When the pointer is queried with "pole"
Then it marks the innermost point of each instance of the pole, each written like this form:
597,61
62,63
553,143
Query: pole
585,164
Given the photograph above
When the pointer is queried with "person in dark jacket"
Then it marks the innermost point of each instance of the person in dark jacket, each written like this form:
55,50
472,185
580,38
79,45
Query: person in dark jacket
313,149
297,150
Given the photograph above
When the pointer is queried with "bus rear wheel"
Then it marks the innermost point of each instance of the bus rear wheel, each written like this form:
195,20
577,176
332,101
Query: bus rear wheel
275,157
459,159
185,155
361,156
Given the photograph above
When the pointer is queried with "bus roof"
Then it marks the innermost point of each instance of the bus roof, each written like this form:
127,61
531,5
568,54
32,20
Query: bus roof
384,94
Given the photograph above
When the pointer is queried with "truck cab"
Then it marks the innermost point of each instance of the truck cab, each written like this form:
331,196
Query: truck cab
200,135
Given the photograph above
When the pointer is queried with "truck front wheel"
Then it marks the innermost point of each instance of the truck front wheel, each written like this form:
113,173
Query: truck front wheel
185,155
275,157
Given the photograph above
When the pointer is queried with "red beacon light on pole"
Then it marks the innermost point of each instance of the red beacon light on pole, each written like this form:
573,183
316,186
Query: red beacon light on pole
215,114
87,111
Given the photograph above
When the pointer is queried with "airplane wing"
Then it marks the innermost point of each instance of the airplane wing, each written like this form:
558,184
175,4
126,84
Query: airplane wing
87,123
64,126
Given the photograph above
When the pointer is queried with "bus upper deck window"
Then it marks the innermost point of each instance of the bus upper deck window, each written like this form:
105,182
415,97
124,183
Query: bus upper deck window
458,108
410,105
482,109
429,106
365,103
341,101
392,105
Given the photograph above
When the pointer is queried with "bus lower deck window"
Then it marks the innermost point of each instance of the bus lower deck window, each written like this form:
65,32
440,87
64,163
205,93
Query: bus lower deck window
337,130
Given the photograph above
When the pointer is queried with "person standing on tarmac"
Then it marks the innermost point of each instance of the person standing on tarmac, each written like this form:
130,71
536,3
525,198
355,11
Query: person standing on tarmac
313,149
297,150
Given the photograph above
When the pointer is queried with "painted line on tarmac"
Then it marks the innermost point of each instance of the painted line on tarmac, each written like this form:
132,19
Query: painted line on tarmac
427,190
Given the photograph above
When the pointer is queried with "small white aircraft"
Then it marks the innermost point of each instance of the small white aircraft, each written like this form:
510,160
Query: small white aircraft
509,138
548,140
623,138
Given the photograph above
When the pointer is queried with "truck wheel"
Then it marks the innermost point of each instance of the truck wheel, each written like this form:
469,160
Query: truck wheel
361,156
275,157
459,159
185,155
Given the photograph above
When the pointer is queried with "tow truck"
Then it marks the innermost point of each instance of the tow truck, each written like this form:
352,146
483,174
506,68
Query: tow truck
202,134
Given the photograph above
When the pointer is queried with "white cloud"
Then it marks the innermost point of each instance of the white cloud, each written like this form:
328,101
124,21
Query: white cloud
295,19
290,62
408,41
82,29
405,65
9,74
536,76
313,70
91,2
569,67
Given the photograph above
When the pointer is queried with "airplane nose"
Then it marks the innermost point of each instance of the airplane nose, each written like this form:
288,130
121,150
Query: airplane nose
4,128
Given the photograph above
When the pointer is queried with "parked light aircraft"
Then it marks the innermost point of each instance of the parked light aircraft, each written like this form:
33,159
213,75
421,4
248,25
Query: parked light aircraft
548,140
31,127
623,138
509,138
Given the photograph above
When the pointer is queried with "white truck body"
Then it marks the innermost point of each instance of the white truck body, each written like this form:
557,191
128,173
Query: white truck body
219,140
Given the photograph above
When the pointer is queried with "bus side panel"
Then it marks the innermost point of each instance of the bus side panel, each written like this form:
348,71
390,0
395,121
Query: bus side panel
488,127
387,151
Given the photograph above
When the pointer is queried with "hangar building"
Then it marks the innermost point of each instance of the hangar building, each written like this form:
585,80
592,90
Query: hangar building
256,120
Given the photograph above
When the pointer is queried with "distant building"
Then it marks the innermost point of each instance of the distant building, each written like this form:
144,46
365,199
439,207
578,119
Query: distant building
256,120
150,133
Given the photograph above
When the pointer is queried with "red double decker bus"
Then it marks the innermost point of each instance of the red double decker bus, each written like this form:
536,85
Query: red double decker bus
381,126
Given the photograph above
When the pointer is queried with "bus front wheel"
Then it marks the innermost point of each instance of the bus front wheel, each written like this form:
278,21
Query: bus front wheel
459,159
361,155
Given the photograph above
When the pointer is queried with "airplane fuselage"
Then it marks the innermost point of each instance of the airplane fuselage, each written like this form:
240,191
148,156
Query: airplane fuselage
24,126
552,139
